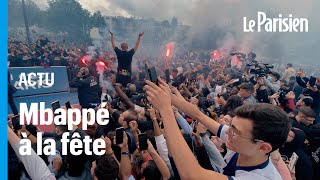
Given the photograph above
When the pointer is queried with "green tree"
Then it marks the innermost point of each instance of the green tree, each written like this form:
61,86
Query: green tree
15,13
97,20
68,16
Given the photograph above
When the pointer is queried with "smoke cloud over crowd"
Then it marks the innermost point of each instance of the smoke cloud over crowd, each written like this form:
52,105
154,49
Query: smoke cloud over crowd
219,24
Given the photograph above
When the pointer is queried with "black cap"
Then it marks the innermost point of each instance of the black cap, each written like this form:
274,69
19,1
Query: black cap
277,75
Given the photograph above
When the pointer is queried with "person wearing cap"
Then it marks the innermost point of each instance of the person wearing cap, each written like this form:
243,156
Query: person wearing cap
274,85
289,72
89,90
295,144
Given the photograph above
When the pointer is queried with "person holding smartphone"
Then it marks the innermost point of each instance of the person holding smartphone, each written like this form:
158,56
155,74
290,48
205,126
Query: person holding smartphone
252,135
309,90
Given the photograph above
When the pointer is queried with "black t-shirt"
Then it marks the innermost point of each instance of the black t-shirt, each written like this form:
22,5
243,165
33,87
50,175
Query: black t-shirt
303,167
124,58
312,133
89,90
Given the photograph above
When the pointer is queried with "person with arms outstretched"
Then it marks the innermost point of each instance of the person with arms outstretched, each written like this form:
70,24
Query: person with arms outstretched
124,59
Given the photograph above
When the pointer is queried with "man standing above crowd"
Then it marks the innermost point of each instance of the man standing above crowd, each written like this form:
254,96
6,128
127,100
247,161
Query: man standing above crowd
124,59
89,91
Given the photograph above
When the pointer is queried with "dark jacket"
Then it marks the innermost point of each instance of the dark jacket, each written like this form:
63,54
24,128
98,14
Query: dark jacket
89,90
303,167
308,92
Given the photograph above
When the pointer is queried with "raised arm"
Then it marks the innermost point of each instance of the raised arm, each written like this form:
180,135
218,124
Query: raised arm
113,42
123,97
187,165
121,94
192,111
138,42
125,163
162,166
160,141
35,166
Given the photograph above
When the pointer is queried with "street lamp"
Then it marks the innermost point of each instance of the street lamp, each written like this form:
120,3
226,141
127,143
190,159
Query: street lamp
26,22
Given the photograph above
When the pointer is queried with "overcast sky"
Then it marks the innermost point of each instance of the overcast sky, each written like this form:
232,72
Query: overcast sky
228,15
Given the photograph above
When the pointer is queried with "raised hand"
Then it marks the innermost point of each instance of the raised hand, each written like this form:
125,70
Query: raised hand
125,140
140,34
275,95
108,144
158,96
201,128
110,32
314,88
133,126
194,101
150,147
152,113
57,164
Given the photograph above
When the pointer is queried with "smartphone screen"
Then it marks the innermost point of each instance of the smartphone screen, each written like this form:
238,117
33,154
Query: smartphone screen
119,135
143,141
68,105
312,81
141,76
55,105
16,122
167,73
153,75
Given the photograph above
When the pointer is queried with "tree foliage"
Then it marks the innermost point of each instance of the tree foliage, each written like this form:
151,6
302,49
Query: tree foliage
15,13
60,16
68,16
97,20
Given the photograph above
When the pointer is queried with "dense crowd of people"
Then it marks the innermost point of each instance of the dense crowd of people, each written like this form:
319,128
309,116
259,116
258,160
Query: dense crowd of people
203,119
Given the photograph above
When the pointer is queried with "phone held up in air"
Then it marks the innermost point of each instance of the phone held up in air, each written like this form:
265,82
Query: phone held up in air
119,135
68,105
153,75
15,122
143,144
55,105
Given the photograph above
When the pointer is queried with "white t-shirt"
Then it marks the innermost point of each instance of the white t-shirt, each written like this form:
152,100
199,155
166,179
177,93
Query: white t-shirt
265,170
